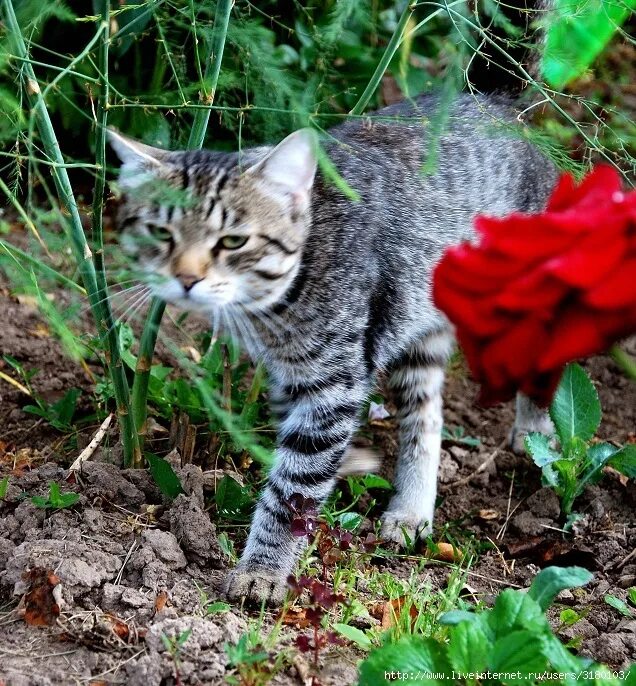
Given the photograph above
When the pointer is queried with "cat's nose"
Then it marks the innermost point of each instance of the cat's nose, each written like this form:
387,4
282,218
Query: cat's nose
188,280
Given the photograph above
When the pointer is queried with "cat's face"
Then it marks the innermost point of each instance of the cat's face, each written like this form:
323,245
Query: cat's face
205,232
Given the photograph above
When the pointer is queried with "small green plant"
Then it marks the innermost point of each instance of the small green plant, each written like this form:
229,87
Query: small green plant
56,499
174,647
510,643
211,607
58,414
4,485
457,434
619,605
250,661
577,462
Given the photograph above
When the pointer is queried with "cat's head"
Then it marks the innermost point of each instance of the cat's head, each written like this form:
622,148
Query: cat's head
206,229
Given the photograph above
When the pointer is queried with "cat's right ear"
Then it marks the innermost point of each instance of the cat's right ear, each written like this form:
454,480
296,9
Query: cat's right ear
140,162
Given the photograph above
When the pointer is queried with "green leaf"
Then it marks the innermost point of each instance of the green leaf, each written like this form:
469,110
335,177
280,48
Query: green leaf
4,485
631,594
233,501
575,409
538,447
164,476
578,31
65,408
56,500
217,608
560,658
518,653
600,453
354,634
453,617
568,617
410,654
349,520
514,610
619,605
552,580
375,481
468,647
624,461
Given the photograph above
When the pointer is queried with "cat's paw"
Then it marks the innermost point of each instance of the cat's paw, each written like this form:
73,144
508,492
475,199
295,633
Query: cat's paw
517,435
403,529
255,585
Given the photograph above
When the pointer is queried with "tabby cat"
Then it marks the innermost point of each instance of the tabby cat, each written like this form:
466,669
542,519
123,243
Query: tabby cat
331,292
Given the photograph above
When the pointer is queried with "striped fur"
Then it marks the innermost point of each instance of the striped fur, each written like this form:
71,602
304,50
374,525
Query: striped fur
329,291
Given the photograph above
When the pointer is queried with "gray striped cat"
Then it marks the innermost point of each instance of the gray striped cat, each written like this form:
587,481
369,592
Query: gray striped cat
332,292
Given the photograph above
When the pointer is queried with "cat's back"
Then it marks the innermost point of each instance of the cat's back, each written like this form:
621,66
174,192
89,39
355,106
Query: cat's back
468,155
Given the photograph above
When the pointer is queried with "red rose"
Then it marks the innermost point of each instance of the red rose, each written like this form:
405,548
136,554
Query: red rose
540,290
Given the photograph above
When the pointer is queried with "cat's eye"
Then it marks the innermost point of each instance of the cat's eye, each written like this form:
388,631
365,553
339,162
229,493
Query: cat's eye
159,233
233,242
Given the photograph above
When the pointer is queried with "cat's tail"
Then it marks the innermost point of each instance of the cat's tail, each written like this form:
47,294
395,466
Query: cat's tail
513,39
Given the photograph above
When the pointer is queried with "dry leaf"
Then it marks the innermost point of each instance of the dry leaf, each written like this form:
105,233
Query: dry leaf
488,514
161,600
40,330
447,553
41,607
388,612
295,616
119,627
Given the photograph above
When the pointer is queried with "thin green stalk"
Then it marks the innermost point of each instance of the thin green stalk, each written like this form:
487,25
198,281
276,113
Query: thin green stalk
20,257
625,361
197,135
75,232
117,371
389,52
139,405
212,70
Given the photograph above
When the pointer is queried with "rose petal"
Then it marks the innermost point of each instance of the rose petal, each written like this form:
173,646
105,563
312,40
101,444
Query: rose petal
618,290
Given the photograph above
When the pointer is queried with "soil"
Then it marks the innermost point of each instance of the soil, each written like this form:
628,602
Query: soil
123,572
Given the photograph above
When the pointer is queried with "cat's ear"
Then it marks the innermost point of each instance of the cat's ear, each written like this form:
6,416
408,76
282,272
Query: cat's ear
140,162
290,167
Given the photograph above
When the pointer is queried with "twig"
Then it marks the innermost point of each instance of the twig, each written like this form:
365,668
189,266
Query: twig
17,384
92,446
120,573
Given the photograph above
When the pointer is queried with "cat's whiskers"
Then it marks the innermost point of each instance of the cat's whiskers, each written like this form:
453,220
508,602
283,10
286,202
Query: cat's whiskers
133,305
125,292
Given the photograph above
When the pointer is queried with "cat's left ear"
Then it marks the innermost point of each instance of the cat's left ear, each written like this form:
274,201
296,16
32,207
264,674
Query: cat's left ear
140,162
290,167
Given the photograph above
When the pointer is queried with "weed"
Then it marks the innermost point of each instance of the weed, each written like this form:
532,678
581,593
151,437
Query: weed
56,499
619,605
507,643
58,414
251,660
174,647
578,462
210,607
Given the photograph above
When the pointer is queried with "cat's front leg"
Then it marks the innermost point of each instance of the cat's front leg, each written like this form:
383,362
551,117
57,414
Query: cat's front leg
318,419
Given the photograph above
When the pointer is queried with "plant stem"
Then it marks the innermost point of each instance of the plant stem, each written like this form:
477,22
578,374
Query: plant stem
212,70
117,371
195,141
389,52
147,343
624,360
82,253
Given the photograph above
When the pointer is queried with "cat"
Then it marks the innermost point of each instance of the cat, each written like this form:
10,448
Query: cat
330,291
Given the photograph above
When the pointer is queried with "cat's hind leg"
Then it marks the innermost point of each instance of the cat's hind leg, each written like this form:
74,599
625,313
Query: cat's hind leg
529,418
416,381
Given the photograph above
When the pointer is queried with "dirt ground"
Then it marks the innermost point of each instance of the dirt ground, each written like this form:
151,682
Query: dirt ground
126,567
